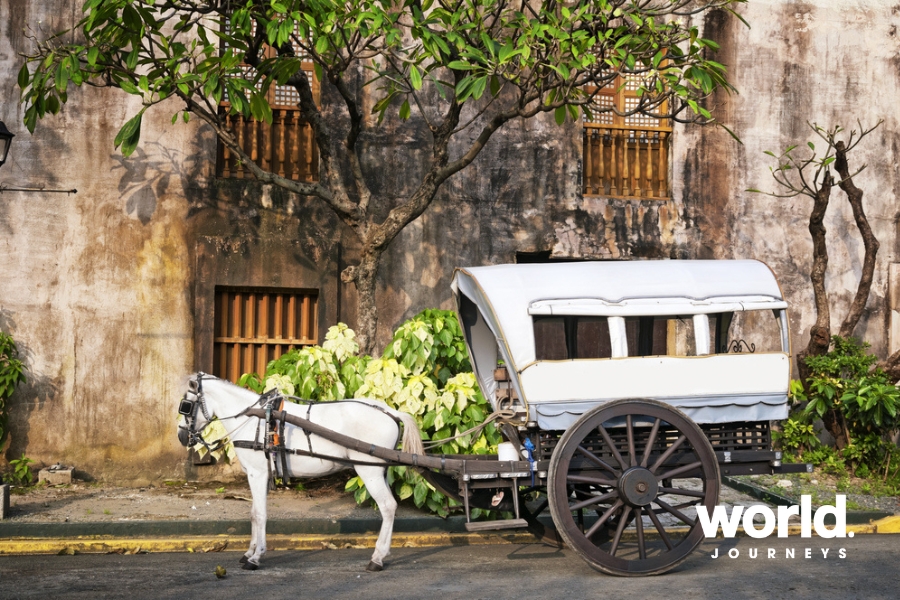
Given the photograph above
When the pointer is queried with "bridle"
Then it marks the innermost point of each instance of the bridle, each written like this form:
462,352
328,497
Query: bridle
188,409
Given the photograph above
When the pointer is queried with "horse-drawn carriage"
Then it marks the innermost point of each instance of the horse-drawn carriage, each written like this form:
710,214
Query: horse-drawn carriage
625,389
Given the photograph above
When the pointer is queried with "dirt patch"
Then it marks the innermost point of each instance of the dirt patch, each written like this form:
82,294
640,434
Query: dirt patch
174,500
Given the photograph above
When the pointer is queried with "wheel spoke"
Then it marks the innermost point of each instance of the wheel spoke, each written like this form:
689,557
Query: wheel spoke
681,492
594,500
650,441
594,480
660,529
603,518
629,433
612,447
623,519
682,469
665,456
675,512
639,525
595,459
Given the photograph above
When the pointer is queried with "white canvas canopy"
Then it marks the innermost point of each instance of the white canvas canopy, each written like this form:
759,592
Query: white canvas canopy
497,305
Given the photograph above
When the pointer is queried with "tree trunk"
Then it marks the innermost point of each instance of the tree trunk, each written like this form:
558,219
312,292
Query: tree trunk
820,333
835,425
363,276
854,196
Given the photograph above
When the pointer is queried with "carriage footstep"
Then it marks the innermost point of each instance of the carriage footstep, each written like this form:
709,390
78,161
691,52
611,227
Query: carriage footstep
374,566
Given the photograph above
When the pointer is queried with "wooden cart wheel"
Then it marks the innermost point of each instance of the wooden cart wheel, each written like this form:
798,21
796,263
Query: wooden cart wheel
625,480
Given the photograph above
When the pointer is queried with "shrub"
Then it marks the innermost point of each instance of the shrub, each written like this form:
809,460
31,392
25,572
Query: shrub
797,435
12,373
844,385
424,371
21,471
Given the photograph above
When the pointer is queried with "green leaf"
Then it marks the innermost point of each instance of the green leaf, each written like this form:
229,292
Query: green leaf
129,134
560,115
23,76
420,493
478,87
415,77
404,114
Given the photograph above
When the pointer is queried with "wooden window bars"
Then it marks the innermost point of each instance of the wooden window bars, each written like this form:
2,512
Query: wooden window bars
625,156
256,325
286,147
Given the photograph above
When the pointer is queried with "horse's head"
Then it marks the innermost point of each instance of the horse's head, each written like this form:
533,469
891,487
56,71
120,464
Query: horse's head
193,410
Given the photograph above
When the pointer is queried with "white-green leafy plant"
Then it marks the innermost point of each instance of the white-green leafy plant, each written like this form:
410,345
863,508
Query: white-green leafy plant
424,371
219,445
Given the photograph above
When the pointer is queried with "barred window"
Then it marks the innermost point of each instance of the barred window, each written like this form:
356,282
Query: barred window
256,325
625,156
285,147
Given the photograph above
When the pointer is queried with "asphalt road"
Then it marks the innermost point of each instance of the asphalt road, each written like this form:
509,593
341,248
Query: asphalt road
870,569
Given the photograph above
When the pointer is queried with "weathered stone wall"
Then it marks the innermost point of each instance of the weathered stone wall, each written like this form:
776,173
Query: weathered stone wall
825,62
101,289
108,291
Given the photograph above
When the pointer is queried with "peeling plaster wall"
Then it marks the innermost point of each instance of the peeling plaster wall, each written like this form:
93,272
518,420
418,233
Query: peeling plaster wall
89,278
108,291
101,288
824,62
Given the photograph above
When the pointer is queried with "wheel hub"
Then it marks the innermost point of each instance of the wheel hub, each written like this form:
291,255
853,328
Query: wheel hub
638,487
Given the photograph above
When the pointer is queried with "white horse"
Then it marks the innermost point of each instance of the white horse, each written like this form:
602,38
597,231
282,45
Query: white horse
364,419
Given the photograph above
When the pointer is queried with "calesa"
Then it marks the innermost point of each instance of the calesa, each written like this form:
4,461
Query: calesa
808,521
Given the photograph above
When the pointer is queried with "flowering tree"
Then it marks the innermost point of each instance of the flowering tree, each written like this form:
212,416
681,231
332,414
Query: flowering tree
461,68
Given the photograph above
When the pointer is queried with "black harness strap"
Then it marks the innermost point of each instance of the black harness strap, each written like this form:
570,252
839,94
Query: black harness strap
299,452
285,476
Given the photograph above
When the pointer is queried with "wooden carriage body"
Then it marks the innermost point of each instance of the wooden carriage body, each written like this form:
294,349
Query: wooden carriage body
634,386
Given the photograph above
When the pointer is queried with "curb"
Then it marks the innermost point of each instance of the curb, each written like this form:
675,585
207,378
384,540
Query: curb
180,528
230,542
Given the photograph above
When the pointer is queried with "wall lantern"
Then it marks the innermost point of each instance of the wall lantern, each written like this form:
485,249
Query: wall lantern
6,137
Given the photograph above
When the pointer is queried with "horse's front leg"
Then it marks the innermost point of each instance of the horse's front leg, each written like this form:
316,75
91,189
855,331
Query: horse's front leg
259,490
376,482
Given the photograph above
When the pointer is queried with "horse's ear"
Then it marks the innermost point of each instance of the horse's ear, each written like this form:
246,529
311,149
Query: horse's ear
190,382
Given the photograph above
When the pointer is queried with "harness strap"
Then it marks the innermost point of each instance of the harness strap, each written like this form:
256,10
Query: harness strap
285,475
299,452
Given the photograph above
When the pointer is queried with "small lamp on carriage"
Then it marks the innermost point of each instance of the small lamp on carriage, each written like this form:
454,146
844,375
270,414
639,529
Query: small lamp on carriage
6,137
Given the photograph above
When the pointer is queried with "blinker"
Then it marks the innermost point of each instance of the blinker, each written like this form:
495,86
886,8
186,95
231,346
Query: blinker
186,407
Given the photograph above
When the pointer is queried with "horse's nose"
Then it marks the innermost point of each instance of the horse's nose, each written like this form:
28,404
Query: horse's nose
183,436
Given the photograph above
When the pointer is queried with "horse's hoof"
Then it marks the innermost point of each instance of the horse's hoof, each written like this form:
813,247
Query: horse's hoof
374,566
250,566
243,558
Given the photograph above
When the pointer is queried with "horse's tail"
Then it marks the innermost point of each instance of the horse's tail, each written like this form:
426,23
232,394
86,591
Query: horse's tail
412,438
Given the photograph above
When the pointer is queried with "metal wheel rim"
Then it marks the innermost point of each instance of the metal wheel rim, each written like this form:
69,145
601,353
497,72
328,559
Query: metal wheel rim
607,546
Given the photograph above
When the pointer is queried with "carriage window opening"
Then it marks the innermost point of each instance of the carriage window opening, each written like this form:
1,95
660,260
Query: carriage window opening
256,325
550,338
745,332
649,336
592,335
569,337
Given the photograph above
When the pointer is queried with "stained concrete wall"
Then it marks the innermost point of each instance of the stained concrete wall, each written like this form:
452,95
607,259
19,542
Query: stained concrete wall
824,62
108,291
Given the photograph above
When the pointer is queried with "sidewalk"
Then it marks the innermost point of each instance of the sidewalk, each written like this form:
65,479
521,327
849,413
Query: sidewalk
193,518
